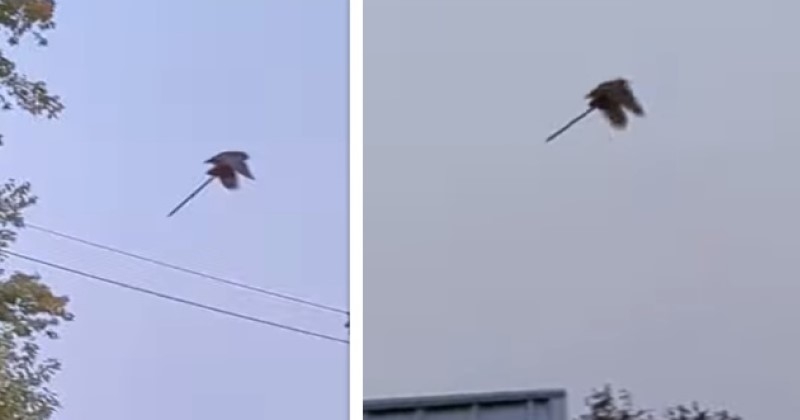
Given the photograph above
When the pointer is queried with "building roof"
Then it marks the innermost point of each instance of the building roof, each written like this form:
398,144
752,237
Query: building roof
509,405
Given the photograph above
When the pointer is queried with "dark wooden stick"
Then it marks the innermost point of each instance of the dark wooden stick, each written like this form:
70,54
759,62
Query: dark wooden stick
569,124
194,193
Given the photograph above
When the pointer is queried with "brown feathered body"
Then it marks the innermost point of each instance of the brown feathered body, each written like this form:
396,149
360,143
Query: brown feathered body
613,98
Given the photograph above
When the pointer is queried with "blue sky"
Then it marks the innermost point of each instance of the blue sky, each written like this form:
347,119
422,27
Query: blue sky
153,89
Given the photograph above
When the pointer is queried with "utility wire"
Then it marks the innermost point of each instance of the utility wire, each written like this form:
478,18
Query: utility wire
188,270
174,298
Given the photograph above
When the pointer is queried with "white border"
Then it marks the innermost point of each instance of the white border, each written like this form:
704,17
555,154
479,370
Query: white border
356,164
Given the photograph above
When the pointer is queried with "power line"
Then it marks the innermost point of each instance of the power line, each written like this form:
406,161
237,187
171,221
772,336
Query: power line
174,298
188,270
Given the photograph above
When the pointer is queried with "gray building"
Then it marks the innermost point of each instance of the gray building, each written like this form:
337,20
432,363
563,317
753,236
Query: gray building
512,405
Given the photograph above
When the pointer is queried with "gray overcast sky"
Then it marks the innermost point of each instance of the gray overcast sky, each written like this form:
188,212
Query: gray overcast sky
153,89
664,260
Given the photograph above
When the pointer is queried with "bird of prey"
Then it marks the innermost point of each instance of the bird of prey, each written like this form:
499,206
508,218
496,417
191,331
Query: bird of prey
613,98
227,168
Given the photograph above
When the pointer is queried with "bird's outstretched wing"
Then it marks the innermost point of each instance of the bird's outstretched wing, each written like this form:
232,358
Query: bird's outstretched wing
604,92
235,160
631,104
619,92
242,168
624,96
615,116
226,175
229,156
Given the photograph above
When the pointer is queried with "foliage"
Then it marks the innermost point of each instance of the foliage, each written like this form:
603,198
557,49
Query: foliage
13,200
19,18
28,308
605,404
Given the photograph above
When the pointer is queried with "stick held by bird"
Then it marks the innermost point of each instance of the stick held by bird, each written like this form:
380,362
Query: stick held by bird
613,98
227,168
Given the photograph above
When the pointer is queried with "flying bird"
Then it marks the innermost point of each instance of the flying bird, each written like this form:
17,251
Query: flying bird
613,98
227,168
